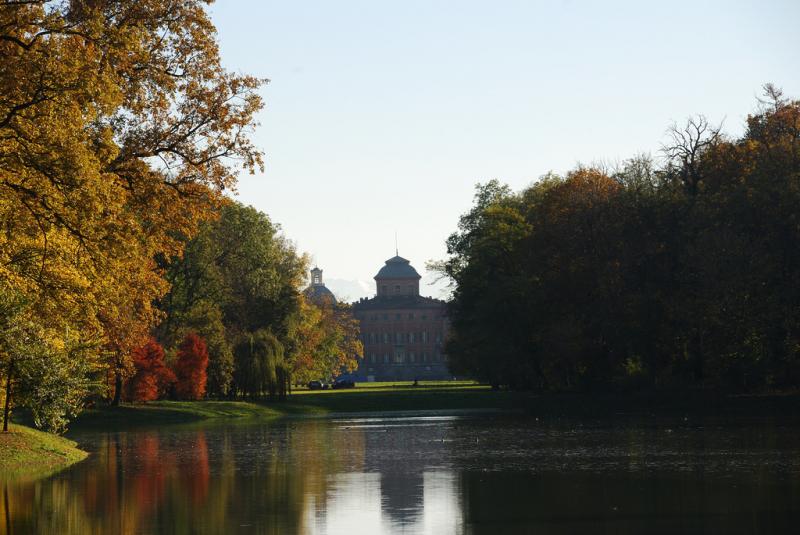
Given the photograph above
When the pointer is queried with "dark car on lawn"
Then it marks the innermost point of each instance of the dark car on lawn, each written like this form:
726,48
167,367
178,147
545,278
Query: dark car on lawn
318,385
344,383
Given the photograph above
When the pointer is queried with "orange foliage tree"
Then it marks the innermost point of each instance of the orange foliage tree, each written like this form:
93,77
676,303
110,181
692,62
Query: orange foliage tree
190,368
152,377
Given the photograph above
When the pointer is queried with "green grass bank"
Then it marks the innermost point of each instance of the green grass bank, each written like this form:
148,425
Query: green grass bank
452,397
365,398
26,453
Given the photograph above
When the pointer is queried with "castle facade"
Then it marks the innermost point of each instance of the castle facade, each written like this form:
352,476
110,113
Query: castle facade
403,332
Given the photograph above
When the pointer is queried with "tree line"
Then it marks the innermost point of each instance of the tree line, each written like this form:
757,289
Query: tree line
120,132
681,272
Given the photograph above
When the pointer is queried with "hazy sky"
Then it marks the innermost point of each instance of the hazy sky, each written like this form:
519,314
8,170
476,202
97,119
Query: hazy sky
382,116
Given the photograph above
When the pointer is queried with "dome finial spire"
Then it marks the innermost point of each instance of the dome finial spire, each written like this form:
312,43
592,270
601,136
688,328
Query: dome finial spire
396,250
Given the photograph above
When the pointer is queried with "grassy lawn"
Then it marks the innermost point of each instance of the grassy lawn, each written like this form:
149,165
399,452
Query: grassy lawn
365,397
379,397
171,412
26,453
403,385
431,396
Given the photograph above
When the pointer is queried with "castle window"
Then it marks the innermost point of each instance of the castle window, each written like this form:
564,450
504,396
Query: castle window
385,316
386,358
411,356
384,290
398,316
424,356
385,338
424,316
397,289
373,358
398,338
410,338
411,315
399,357
424,336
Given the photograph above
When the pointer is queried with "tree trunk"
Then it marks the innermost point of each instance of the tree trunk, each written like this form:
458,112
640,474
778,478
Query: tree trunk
117,387
7,508
7,409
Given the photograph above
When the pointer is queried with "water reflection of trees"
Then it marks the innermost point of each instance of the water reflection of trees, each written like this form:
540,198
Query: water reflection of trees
667,476
441,477
240,479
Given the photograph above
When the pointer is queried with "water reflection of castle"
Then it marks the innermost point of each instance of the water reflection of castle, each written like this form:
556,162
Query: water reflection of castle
403,332
401,489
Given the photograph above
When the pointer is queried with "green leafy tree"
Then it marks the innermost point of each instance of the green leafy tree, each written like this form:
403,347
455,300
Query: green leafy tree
654,276
238,276
260,367
40,371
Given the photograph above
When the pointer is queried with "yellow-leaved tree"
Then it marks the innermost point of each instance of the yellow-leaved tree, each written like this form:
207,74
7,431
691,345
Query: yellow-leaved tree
119,128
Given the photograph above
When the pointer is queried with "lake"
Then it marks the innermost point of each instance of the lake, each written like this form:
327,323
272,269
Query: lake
427,474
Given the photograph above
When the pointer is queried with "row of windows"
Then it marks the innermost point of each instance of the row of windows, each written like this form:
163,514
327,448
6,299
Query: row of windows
399,338
397,316
402,357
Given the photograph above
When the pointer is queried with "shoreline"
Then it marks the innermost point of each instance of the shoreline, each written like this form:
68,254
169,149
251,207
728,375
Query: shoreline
441,400
27,454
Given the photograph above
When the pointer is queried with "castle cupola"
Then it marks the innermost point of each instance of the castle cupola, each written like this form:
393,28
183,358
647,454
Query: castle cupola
317,292
316,277
397,278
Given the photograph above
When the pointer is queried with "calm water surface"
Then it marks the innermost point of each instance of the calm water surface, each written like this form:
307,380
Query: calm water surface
428,475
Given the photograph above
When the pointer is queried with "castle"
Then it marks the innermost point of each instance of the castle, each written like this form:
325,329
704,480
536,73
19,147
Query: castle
403,332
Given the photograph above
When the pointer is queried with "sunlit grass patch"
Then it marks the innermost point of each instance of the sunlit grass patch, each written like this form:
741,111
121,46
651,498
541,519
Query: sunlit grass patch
364,398
26,453
168,412
399,386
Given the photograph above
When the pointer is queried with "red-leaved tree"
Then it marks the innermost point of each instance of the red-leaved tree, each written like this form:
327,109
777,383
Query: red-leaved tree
190,368
152,378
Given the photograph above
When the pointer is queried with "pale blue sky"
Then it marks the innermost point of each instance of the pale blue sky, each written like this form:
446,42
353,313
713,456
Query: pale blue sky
381,116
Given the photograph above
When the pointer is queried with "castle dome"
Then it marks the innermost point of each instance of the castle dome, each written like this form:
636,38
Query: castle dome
317,292
397,268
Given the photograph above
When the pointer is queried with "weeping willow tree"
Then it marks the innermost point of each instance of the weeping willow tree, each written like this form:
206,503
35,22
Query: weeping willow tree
260,367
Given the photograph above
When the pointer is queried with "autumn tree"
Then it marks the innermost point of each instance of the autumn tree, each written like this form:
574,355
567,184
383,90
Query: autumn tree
675,274
190,368
118,129
239,275
323,341
152,378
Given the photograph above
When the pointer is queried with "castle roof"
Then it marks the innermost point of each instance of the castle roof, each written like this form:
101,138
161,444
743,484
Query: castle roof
319,293
397,268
